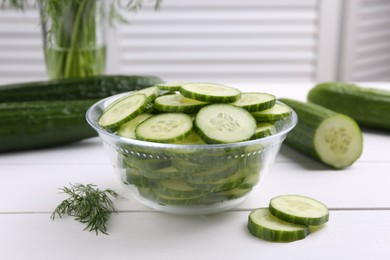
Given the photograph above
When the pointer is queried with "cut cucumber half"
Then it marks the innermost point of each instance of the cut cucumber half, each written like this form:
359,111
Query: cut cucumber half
299,210
210,92
264,225
165,128
123,110
255,101
278,111
338,141
223,123
264,130
171,86
128,129
178,103
333,138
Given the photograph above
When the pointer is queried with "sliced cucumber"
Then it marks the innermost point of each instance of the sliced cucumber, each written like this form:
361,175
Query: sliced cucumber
178,103
234,193
263,130
169,172
278,111
171,86
223,123
230,182
128,129
192,138
164,128
177,188
147,164
299,210
264,225
172,200
210,92
332,138
134,177
213,174
188,166
250,181
151,92
123,110
255,101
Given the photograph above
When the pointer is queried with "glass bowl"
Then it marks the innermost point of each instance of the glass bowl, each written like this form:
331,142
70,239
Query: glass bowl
190,179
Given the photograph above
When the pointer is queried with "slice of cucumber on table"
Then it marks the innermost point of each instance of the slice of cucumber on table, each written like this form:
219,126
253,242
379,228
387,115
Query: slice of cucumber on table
263,224
287,219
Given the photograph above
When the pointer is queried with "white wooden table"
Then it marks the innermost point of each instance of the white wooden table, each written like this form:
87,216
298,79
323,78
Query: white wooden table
359,199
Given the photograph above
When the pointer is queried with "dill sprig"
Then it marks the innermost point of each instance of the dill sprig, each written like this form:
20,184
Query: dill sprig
88,205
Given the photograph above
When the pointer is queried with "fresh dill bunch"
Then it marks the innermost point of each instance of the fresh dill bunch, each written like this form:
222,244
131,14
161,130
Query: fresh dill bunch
88,205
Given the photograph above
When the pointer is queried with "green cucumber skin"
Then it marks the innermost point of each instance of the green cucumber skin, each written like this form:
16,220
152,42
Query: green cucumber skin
310,116
96,87
368,106
41,124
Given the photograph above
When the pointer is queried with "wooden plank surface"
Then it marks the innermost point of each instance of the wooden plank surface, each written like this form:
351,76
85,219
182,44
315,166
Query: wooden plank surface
358,235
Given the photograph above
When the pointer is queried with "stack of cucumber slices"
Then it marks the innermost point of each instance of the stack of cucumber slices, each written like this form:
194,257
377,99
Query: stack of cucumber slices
193,117
218,114
288,218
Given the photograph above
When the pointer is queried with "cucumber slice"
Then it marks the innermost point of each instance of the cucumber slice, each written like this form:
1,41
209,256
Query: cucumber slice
255,101
228,183
262,224
169,172
223,123
172,200
192,138
171,86
164,128
210,92
123,110
177,188
299,210
178,103
188,166
128,129
134,177
213,174
234,193
263,130
250,181
278,111
332,138
151,92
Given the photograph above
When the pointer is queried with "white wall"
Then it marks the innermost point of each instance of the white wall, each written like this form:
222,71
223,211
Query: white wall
227,40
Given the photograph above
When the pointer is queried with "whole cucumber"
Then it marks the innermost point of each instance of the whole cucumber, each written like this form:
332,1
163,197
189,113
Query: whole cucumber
50,113
368,106
95,87
40,124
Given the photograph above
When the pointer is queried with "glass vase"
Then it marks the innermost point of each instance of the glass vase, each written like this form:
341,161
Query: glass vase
74,37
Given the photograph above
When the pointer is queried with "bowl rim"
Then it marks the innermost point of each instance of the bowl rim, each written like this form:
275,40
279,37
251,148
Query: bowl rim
101,131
